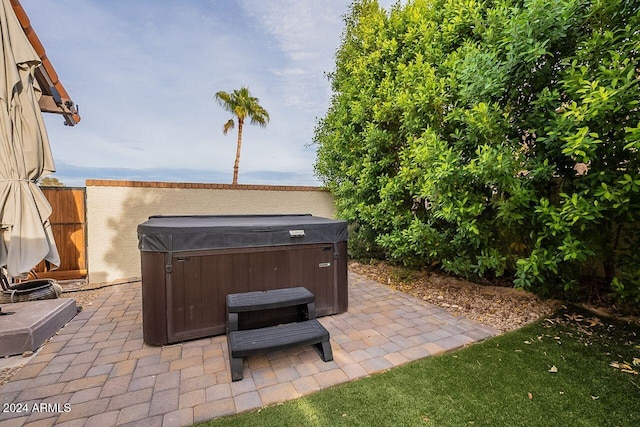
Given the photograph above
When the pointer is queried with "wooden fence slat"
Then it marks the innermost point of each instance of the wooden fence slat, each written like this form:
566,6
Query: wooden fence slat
68,225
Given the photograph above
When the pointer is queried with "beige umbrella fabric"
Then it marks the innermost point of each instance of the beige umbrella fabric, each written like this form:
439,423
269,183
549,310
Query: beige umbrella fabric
25,155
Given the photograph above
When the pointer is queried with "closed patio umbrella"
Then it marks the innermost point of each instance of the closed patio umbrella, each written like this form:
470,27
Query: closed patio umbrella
25,155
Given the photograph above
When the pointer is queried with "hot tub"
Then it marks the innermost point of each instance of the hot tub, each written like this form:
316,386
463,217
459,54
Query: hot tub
190,264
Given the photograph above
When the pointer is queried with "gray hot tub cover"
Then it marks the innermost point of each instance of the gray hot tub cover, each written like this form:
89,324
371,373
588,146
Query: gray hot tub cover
201,232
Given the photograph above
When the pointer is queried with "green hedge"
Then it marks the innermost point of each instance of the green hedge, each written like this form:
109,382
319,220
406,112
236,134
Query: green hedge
491,137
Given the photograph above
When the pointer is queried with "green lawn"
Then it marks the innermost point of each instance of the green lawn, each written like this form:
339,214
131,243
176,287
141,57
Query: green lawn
505,381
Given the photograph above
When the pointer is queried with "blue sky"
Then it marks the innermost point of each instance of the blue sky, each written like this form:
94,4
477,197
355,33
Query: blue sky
144,72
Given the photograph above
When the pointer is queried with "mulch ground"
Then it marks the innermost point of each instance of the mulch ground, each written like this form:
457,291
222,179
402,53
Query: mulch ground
500,307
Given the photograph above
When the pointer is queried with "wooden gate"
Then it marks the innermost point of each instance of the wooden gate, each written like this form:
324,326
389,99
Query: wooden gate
68,224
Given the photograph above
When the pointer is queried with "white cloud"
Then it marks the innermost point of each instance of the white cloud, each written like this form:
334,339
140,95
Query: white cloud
307,33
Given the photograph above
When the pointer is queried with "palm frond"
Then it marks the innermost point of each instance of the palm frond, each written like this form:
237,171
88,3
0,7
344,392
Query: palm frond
228,126
225,100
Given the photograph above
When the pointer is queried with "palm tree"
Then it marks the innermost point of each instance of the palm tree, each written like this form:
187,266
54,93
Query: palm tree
242,105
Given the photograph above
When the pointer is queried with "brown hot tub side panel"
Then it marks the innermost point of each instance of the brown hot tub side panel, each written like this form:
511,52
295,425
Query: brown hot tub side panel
189,302
154,298
342,278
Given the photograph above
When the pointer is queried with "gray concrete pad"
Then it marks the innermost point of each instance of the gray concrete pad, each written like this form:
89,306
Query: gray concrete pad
25,326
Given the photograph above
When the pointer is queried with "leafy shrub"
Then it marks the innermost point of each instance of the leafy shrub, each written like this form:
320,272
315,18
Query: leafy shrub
490,138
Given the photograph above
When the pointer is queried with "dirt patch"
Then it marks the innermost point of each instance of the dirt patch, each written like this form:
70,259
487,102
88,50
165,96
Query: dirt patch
7,373
502,308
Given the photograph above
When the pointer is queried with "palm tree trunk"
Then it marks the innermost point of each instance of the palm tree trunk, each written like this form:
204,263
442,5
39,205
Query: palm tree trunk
236,165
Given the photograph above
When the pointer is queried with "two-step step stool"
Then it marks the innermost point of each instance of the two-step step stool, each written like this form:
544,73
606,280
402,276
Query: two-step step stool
307,331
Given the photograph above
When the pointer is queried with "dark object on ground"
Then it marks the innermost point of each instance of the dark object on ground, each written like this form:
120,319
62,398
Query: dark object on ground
306,331
29,290
191,263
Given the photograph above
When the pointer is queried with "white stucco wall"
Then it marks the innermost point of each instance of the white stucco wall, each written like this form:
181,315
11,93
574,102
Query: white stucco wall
114,212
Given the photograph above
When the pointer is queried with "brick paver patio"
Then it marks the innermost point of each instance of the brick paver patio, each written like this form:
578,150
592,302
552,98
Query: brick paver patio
100,367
